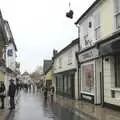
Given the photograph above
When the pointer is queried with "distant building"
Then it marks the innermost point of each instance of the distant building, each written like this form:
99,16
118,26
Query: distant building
46,65
65,70
25,77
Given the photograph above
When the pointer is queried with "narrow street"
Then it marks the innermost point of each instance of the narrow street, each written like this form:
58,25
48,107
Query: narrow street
31,106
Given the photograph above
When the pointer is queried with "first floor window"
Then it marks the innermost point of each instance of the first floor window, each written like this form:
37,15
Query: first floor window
97,33
118,20
88,78
117,71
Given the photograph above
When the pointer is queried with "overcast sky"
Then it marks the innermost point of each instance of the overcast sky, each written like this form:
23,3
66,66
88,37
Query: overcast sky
39,26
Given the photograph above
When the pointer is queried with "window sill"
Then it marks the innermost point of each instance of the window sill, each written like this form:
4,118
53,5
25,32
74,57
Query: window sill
87,93
116,89
69,63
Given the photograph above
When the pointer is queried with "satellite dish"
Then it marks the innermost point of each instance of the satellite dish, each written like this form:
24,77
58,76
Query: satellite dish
70,13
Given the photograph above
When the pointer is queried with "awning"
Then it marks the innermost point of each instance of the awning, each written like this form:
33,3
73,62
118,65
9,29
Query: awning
110,48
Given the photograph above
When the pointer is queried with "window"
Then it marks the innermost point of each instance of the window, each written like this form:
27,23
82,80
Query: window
60,63
117,71
88,78
97,26
117,13
70,57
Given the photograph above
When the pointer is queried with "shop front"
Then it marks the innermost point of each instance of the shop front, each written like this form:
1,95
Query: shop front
89,85
65,83
110,52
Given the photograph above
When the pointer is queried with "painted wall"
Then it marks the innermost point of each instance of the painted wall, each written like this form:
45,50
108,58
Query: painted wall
2,76
49,75
65,66
64,60
107,18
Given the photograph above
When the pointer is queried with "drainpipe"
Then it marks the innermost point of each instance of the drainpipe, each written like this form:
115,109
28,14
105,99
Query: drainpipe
78,64
102,84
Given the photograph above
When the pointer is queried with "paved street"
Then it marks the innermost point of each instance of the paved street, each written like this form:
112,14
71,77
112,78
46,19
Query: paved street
31,106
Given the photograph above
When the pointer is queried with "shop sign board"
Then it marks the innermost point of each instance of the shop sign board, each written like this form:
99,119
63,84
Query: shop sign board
88,55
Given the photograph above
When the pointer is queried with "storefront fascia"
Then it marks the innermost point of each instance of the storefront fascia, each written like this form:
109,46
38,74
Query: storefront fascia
87,81
60,83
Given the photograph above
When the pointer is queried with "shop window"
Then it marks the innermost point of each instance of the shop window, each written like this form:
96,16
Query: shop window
117,13
65,84
69,85
88,78
117,71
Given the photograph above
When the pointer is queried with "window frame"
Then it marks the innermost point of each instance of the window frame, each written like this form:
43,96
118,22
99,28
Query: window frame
116,13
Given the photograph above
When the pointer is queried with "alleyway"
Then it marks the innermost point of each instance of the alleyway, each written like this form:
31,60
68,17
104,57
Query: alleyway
31,106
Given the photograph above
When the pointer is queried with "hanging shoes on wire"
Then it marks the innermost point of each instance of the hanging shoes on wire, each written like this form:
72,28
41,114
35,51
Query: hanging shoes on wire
70,13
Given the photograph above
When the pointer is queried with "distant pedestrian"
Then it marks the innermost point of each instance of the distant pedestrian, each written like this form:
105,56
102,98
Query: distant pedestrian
52,93
45,93
11,94
2,94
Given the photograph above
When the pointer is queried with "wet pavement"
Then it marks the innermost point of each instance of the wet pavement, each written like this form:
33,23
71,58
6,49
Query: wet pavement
31,106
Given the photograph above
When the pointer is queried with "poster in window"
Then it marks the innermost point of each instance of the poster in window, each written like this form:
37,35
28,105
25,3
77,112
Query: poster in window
88,78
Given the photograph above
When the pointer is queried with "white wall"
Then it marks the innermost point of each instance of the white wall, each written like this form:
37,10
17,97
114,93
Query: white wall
64,59
66,66
84,28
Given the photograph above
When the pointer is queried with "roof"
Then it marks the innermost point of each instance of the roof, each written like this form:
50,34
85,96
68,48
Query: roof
76,41
46,66
87,11
11,39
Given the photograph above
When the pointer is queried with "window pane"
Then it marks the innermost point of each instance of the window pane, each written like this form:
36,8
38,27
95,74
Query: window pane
117,6
97,33
96,20
118,71
65,84
118,20
88,78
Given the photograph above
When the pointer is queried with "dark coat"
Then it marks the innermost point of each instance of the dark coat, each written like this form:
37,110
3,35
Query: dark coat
12,90
2,90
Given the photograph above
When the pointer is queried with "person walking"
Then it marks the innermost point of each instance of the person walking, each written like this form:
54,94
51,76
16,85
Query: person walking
2,94
52,93
45,93
11,94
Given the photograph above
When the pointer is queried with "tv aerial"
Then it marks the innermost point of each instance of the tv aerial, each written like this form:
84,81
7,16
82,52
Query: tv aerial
70,13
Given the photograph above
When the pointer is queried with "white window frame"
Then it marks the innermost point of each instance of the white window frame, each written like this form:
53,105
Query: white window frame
97,26
70,56
92,62
60,62
115,14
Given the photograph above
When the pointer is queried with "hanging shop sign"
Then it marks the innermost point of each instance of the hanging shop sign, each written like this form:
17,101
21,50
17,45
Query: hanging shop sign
88,55
10,52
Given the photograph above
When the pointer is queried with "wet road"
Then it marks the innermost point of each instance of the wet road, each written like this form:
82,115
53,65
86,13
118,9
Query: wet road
33,107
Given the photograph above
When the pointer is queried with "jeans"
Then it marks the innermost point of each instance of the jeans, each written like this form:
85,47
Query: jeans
12,102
